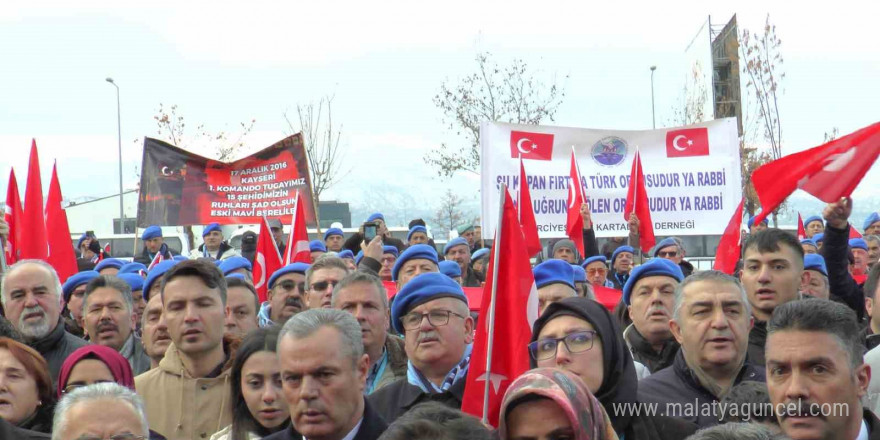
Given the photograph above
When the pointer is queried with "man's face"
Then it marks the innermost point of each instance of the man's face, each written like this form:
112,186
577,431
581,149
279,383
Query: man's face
861,259
364,302
195,315
107,318
873,229
241,311
213,240
596,273
873,252
322,384
771,278
287,297
461,254
553,293
565,254
814,284
74,305
478,233
154,335
153,244
414,267
418,238
32,303
334,243
671,253
101,418
469,236
651,304
387,264
713,325
814,228
623,262
322,283
278,235
439,348
811,370
809,249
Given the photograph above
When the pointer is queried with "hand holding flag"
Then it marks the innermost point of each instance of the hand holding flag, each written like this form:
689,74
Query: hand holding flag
637,202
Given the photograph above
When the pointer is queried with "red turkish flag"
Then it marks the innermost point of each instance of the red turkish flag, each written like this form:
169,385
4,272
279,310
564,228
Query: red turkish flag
160,257
33,239
266,260
526,213
829,171
12,215
536,146
637,201
730,246
298,250
801,232
515,304
687,142
853,232
607,296
574,223
61,255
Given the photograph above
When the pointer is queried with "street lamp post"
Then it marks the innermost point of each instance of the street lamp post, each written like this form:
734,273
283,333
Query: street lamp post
653,120
119,130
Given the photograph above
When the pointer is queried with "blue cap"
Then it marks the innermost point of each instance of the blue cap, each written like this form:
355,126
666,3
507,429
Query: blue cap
135,281
345,253
414,229
234,263
654,267
450,268
858,243
210,228
151,232
480,253
133,267
236,275
619,250
109,262
333,231
580,275
290,268
553,272
391,250
594,259
82,238
873,218
179,258
818,238
815,262
813,218
457,241
423,288
666,242
809,241
414,252
751,221
76,280
376,216
317,246
155,275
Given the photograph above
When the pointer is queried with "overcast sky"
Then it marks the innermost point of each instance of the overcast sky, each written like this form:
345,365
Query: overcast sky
224,63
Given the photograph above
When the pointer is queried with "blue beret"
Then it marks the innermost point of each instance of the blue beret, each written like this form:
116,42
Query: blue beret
390,250
333,231
450,268
82,238
619,250
553,272
234,263
109,262
809,241
416,228
155,275
414,252
580,275
463,229
480,253
815,262
236,275
654,267
151,232
135,281
751,221
76,280
290,268
345,253
133,267
873,218
594,259
376,216
317,246
179,258
666,242
457,241
811,219
358,257
212,227
858,243
423,288
818,238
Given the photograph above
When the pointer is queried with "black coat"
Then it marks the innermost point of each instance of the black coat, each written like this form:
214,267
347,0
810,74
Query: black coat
393,400
55,348
371,427
842,286
873,424
757,341
643,353
11,432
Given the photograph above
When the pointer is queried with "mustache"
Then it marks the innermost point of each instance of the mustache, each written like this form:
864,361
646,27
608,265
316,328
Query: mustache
656,308
432,334
107,325
293,302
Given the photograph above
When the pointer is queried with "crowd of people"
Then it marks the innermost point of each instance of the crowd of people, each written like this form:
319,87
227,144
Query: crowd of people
185,349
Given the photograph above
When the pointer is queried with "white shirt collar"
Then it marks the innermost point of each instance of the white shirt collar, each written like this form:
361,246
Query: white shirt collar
863,431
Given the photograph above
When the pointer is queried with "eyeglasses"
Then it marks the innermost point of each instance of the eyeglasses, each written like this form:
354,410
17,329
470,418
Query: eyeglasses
595,271
291,285
437,318
73,386
664,254
577,342
126,436
323,285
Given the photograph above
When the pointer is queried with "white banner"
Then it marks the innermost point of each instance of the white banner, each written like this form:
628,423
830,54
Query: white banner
692,174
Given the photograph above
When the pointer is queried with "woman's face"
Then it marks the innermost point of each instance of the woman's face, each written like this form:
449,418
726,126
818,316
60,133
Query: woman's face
588,365
19,397
540,419
261,389
87,372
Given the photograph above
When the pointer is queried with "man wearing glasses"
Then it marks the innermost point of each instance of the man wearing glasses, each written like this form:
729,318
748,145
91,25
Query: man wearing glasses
321,278
431,311
103,411
671,249
286,295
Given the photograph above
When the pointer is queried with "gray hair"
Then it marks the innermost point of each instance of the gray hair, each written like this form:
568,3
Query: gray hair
359,277
96,392
818,315
324,262
736,431
56,282
303,324
713,276
111,282
872,238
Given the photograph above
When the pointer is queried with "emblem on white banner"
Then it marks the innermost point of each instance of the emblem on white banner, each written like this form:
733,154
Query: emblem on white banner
675,142
519,145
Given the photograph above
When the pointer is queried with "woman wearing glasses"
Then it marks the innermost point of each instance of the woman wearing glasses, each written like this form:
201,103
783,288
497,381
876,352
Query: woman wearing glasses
580,336
26,397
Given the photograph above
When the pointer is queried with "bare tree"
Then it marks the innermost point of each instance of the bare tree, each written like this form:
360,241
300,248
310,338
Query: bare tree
831,135
448,215
692,102
493,93
763,66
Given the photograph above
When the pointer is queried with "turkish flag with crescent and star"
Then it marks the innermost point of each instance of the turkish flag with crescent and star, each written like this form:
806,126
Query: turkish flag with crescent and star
515,310
266,260
829,171
687,142
574,223
536,146
298,250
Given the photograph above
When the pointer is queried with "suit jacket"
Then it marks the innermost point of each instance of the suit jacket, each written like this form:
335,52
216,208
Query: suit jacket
371,428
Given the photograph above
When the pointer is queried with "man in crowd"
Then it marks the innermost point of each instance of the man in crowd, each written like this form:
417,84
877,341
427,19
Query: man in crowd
278,234
596,268
814,225
843,286
317,249
871,226
873,242
30,292
389,257
711,320
450,269
108,314
431,311
755,228
242,303
418,234
816,374
214,247
555,281
416,260
136,284
194,297
621,265
323,375
154,244
565,250
354,242
154,331
672,250
860,254
364,297
333,239
109,266
650,297
459,250
480,261
287,295
809,246
101,410
321,278
73,291
238,265
816,283
466,231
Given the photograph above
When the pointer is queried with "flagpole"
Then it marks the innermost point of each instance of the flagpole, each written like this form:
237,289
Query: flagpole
491,329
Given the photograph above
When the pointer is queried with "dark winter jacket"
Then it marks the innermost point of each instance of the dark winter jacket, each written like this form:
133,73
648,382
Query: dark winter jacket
371,427
686,268
55,347
757,341
145,257
472,279
644,353
873,424
393,400
841,284
12,432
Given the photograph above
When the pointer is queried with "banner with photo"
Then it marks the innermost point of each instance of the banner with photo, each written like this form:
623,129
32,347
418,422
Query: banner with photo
692,174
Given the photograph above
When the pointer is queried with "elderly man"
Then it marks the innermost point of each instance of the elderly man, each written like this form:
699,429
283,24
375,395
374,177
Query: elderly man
31,295
416,260
242,303
670,249
753,228
596,268
321,278
154,332
364,297
816,374
860,254
871,226
459,251
555,281
813,225
621,265
323,376
418,234
711,321
287,295
431,311
109,317
565,250
214,247
154,244
100,411
73,291
333,239
816,284
389,257
649,295
467,232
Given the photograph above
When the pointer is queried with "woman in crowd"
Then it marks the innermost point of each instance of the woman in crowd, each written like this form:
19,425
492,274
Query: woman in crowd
26,397
259,408
552,403
580,336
